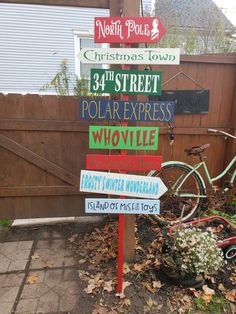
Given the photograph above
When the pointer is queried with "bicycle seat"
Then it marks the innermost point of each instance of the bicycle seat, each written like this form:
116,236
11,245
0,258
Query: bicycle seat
196,150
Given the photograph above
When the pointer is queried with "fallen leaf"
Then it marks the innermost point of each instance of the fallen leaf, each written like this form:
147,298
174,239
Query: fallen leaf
32,279
231,295
126,268
208,290
90,288
138,247
186,299
148,286
232,307
157,284
210,278
125,284
157,263
207,293
120,295
126,302
49,264
93,283
73,237
100,310
221,287
83,275
160,306
150,302
35,256
138,267
195,292
108,286
81,261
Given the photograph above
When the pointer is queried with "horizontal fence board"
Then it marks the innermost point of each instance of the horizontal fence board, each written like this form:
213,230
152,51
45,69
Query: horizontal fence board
43,146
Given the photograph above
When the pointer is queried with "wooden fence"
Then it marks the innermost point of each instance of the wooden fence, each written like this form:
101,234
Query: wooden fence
43,144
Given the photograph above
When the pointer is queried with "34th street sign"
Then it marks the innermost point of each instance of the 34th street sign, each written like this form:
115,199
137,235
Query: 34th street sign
128,30
130,56
125,82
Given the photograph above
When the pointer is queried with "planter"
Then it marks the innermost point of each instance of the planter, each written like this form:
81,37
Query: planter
194,281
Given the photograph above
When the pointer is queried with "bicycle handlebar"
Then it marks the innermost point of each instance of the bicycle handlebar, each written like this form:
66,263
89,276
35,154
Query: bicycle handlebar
222,132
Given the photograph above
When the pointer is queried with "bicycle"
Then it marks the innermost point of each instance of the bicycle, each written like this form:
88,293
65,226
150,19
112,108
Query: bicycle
187,191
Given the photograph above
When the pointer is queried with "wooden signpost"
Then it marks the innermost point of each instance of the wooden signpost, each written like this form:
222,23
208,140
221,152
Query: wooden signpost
123,162
125,82
121,206
119,110
121,184
131,56
122,137
125,30
128,30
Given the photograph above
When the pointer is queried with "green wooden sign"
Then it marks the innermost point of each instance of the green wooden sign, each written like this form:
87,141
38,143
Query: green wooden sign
121,137
125,82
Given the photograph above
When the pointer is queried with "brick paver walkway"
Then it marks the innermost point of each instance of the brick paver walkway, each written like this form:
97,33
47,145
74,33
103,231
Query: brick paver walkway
46,259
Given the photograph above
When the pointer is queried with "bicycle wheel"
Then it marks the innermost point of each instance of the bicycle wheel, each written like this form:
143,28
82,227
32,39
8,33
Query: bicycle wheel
172,202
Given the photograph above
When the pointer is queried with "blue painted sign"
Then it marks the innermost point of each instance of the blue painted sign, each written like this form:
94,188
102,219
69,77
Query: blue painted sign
121,184
121,206
119,110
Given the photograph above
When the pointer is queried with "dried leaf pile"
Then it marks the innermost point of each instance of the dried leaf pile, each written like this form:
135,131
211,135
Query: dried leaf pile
144,290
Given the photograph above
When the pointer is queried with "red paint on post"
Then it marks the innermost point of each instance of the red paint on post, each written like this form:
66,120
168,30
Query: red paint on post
121,229
121,236
128,30
123,162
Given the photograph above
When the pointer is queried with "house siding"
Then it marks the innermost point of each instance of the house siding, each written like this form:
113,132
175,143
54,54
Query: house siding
35,39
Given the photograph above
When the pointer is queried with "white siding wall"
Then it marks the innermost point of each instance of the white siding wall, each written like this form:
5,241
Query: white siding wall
33,41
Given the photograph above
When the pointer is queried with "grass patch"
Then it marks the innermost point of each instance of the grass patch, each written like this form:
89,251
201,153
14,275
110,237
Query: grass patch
5,223
213,212
217,305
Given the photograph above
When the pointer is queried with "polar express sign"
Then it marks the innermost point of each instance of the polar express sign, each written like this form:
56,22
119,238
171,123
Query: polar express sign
128,30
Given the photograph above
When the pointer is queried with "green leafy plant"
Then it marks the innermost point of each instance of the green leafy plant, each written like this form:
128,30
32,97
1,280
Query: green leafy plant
193,252
61,81
217,305
82,87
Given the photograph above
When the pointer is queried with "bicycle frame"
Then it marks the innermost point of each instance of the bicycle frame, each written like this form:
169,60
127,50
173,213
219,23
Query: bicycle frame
194,169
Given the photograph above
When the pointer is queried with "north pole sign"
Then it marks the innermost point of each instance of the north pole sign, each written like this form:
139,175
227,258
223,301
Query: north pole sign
128,30
125,82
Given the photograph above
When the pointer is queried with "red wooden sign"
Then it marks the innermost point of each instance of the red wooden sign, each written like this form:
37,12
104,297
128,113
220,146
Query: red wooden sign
128,30
123,162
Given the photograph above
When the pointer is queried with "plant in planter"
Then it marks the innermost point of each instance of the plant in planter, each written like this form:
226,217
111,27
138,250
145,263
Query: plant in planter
189,253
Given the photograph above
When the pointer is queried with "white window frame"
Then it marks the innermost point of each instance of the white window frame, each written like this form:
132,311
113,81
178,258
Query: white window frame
83,34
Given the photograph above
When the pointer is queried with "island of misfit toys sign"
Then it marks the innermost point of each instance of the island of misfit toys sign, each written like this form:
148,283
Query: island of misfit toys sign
149,189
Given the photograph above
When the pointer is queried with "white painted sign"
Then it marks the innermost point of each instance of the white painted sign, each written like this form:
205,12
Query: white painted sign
130,56
121,184
121,206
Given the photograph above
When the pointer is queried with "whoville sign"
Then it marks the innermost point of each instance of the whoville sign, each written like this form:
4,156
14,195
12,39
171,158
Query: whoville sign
128,30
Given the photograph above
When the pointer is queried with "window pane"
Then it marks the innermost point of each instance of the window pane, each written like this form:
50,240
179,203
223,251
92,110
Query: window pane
85,68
